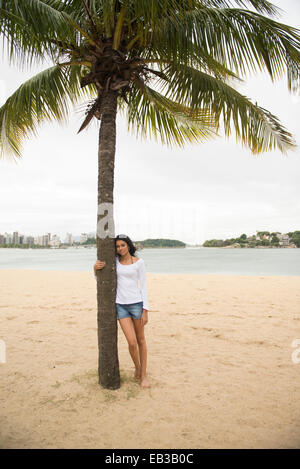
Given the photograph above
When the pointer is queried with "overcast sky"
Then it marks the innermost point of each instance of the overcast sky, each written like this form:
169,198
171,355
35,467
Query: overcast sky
211,190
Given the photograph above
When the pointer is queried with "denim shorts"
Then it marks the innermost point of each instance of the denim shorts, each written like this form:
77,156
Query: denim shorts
133,310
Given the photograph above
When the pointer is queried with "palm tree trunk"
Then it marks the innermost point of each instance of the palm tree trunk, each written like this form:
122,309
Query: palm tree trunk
108,365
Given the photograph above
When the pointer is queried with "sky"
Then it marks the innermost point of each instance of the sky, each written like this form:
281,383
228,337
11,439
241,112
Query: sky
216,189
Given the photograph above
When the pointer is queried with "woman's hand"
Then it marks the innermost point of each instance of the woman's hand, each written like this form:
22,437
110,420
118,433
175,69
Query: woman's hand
144,318
99,265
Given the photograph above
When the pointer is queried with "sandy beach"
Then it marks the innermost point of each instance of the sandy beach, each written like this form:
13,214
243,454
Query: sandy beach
219,362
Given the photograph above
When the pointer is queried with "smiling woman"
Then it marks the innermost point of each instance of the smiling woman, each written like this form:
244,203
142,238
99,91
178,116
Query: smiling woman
131,302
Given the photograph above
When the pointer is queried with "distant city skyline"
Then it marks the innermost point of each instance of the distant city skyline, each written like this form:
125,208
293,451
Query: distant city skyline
18,237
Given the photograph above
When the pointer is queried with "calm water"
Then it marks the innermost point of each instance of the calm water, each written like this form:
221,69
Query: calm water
170,261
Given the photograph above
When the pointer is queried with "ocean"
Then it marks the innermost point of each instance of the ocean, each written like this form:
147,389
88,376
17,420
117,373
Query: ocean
164,260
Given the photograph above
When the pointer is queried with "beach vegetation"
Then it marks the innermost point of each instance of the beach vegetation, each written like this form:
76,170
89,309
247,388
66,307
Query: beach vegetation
262,238
295,238
161,243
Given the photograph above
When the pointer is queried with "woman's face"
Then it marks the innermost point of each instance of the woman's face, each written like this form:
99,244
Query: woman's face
122,247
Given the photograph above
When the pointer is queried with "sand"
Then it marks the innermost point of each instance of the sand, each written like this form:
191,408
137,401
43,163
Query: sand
219,361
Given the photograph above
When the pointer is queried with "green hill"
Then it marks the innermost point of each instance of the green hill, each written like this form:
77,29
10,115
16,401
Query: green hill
161,243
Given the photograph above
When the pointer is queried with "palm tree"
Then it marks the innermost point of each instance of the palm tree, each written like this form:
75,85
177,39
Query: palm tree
171,66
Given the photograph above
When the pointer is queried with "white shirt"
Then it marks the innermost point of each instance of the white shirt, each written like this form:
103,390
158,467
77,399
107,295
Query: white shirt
128,276
127,283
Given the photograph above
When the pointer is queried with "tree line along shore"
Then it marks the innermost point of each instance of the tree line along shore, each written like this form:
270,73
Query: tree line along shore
262,239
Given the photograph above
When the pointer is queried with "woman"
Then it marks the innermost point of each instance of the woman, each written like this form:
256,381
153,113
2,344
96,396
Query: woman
131,302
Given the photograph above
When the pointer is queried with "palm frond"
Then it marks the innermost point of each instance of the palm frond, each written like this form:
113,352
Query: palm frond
254,126
240,40
204,62
119,26
46,96
93,109
31,29
150,114
149,10
262,6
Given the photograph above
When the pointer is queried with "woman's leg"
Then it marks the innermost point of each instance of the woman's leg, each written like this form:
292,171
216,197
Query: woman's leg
130,334
141,340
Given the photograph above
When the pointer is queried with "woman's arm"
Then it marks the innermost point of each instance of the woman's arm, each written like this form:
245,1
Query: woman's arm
143,283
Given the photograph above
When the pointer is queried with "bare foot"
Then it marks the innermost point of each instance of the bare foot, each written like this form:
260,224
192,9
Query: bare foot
145,383
137,374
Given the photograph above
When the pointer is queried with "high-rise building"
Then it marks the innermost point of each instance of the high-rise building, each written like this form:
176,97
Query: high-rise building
15,237
45,240
9,238
83,238
38,240
69,239
30,240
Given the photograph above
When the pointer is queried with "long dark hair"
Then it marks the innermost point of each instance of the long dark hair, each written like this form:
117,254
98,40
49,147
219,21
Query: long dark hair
131,247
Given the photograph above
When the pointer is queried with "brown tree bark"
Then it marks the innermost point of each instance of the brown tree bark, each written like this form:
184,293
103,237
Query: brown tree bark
108,364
